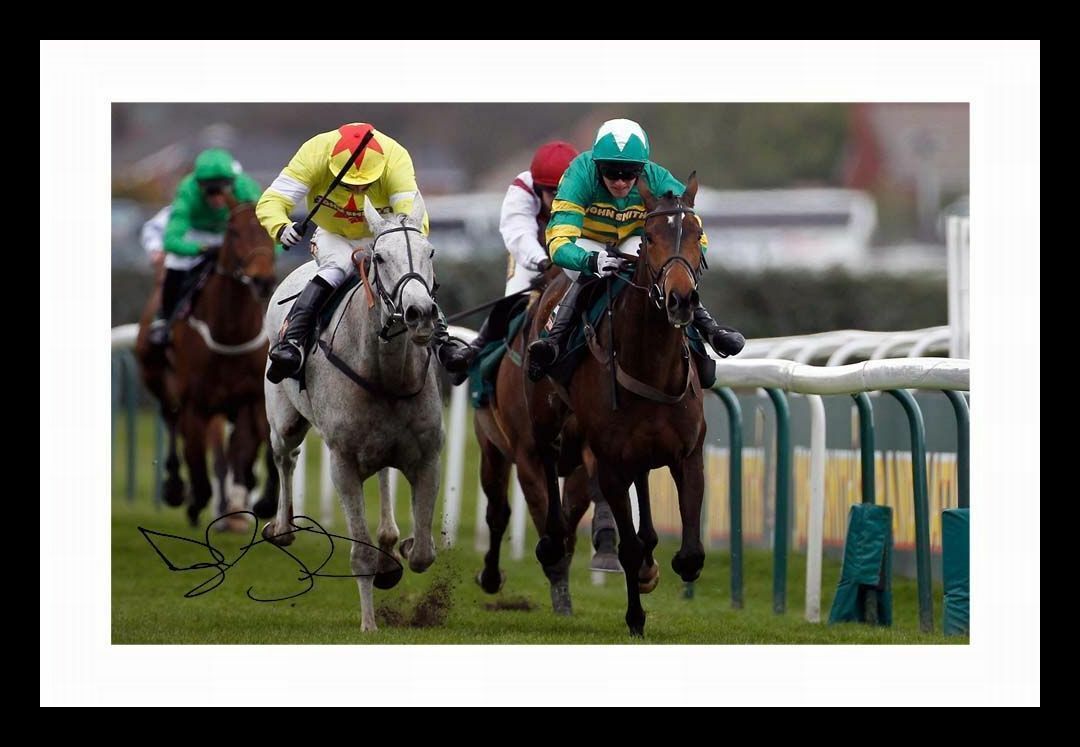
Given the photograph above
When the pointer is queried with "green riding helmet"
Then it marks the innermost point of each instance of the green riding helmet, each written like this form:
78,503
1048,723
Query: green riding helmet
215,164
621,140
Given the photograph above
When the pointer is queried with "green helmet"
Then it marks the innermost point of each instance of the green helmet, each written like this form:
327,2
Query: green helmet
215,164
621,140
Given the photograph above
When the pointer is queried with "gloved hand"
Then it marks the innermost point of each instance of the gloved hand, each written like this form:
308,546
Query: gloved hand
727,341
543,265
603,264
290,235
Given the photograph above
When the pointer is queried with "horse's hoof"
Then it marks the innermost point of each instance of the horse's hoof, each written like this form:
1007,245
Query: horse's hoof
265,507
406,547
636,624
172,492
193,515
648,578
548,551
388,579
606,562
560,598
490,582
688,568
281,539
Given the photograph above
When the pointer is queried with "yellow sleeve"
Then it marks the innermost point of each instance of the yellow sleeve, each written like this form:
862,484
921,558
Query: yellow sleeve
292,185
401,186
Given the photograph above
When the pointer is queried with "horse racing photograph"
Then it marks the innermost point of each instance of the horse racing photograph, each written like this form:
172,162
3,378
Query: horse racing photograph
529,375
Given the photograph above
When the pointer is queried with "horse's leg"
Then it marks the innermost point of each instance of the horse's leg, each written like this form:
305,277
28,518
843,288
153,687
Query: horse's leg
689,476
631,550
649,573
423,476
266,506
193,428
287,431
215,436
350,486
243,449
534,484
552,545
494,478
577,499
388,570
172,492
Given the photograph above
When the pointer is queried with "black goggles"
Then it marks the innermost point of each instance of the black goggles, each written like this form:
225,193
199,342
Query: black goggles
623,173
212,187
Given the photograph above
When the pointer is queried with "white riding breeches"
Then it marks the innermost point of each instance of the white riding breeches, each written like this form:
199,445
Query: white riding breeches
628,246
333,255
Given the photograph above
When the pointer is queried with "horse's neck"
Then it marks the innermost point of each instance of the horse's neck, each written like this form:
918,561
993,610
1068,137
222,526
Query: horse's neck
649,348
354,331
228,308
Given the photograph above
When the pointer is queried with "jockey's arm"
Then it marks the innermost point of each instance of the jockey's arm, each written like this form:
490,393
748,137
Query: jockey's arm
279,199
563,230
176,230
517,224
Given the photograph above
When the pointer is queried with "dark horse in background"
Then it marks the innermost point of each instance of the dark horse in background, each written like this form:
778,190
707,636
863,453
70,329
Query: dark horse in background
214,367
652,417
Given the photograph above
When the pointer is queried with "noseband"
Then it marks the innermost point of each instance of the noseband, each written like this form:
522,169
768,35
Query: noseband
656,292
391,298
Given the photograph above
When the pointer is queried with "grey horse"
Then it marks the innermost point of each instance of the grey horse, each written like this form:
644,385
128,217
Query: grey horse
387,413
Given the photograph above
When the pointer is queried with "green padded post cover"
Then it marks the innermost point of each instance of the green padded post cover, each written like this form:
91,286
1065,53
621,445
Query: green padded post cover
956,569
867,567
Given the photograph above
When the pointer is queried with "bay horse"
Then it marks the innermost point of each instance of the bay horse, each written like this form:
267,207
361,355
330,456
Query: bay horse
504,432
214,368
652,417
371,390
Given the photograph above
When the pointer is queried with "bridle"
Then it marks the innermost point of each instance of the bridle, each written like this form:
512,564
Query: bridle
656,292
236,272
391,299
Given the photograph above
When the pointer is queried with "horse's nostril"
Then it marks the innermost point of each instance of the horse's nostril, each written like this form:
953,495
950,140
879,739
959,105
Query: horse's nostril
412,315
673,301
695,299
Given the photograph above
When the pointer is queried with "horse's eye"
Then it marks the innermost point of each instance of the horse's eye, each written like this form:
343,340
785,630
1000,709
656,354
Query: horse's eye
380,258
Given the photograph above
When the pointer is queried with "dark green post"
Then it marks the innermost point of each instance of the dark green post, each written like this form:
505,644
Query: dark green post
922,507
963,448
130,388
731,402
159,457
866,445
783,498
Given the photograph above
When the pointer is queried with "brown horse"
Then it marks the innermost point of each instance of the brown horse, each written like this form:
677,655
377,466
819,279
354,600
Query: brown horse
215,367
504,432
653,417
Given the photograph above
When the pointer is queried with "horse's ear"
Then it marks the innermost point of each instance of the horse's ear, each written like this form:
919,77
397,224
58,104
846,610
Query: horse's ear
646,193
691,189
371,215
416,215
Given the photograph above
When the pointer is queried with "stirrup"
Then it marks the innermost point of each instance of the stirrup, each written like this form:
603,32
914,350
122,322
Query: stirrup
274,374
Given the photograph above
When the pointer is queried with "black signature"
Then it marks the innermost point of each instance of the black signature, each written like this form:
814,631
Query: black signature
221,565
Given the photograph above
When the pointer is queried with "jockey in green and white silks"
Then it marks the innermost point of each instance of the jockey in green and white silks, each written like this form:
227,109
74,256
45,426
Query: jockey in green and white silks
598,206
196,223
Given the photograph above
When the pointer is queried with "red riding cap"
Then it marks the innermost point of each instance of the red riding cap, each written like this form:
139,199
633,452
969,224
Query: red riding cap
550,161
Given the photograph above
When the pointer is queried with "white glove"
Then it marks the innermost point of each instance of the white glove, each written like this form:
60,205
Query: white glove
289,235
606,264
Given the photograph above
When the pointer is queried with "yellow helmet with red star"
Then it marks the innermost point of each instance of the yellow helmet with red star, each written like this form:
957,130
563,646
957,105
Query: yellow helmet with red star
369,164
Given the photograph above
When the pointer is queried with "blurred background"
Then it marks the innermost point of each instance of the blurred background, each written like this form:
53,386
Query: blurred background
820,216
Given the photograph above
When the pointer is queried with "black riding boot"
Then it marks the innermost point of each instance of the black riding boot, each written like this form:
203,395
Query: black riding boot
287,355
172,287
460,358
725,340
544,351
